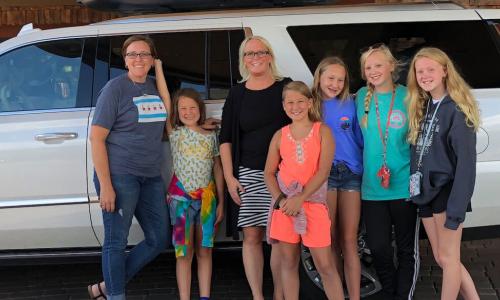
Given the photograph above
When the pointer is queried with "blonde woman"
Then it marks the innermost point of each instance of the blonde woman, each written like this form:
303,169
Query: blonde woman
444,118
253,112
386,162
331,92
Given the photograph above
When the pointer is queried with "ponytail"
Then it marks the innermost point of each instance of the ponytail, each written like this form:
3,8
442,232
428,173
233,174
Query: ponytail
368,98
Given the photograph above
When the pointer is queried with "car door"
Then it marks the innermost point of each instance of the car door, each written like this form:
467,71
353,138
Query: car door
45,99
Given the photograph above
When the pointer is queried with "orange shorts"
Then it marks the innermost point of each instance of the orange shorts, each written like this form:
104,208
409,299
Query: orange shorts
317,230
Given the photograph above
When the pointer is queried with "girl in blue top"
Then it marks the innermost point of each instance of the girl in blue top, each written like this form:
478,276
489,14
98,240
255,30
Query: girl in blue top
386,162
331,90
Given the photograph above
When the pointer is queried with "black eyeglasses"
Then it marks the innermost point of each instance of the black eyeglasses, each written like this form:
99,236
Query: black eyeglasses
374,46
258,54
141,55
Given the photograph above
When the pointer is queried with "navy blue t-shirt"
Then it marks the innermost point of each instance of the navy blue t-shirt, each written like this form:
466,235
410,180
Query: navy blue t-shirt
135,116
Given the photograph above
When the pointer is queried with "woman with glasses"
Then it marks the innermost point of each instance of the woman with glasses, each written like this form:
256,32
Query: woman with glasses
253,112
383,119
126,135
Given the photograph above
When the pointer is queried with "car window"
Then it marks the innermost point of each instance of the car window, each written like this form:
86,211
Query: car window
203,60
468,43
223,66
41,76
496,23
496,31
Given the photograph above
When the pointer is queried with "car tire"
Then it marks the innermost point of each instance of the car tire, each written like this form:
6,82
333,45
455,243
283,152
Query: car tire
311,287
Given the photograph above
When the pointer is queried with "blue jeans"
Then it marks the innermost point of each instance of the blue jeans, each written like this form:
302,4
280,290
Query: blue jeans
144,198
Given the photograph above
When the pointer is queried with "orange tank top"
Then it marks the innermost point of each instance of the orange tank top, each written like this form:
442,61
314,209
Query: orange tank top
299,158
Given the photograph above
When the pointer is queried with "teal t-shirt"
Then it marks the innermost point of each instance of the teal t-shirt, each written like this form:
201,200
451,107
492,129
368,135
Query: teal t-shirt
398,149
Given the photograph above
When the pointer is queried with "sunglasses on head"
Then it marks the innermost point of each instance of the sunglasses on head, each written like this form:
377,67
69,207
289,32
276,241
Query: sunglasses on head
374,46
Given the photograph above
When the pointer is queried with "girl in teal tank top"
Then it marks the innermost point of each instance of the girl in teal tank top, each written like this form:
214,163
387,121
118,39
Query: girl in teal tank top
386,159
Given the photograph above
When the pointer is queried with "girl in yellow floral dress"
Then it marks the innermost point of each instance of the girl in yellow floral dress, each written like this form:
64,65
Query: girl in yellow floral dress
194,209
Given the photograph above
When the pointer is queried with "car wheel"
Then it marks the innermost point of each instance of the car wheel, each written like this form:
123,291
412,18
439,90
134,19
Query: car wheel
311,287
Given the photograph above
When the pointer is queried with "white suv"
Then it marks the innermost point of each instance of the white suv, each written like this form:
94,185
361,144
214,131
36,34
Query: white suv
49,81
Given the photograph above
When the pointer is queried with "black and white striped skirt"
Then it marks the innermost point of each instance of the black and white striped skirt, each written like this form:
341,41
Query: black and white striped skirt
255,201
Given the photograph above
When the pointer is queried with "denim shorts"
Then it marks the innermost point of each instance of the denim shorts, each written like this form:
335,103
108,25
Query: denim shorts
343,179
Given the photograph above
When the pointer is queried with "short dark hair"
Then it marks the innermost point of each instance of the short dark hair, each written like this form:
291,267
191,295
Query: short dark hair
139,38
188,93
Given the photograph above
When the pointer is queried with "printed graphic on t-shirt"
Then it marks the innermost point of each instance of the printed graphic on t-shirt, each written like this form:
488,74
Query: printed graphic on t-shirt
398,119
421,137
150,109
345,123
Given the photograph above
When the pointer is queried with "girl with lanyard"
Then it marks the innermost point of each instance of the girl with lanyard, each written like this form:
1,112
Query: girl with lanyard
386,161
443,160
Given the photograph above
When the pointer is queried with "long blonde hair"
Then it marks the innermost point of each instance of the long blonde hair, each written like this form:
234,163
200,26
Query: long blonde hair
370,88
302,88
320,69
455,85
272,65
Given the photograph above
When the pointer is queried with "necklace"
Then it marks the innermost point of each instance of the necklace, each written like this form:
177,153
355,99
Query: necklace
139,86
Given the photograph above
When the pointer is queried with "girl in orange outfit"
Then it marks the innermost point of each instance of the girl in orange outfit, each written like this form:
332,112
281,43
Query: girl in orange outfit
301,153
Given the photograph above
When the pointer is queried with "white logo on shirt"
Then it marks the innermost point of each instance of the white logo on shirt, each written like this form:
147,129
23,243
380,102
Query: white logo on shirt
150,109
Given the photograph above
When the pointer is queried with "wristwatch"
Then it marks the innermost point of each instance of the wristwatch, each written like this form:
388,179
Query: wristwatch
278,200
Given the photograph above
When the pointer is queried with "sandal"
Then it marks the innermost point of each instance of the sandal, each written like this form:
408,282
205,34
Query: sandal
99,296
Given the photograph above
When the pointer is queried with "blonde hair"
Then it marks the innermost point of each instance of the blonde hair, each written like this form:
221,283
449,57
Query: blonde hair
245,74
455,85
301,88
320,69
370,88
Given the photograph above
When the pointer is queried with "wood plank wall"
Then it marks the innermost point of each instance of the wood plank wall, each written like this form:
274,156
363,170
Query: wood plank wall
12,18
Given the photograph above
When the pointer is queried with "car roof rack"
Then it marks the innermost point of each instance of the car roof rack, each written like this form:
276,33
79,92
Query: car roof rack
324,9
171,6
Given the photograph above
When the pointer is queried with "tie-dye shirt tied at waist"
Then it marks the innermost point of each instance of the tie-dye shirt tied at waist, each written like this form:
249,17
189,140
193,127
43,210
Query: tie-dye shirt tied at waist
299,221
180,200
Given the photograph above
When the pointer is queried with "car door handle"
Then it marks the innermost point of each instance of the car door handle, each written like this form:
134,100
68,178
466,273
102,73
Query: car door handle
56,136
